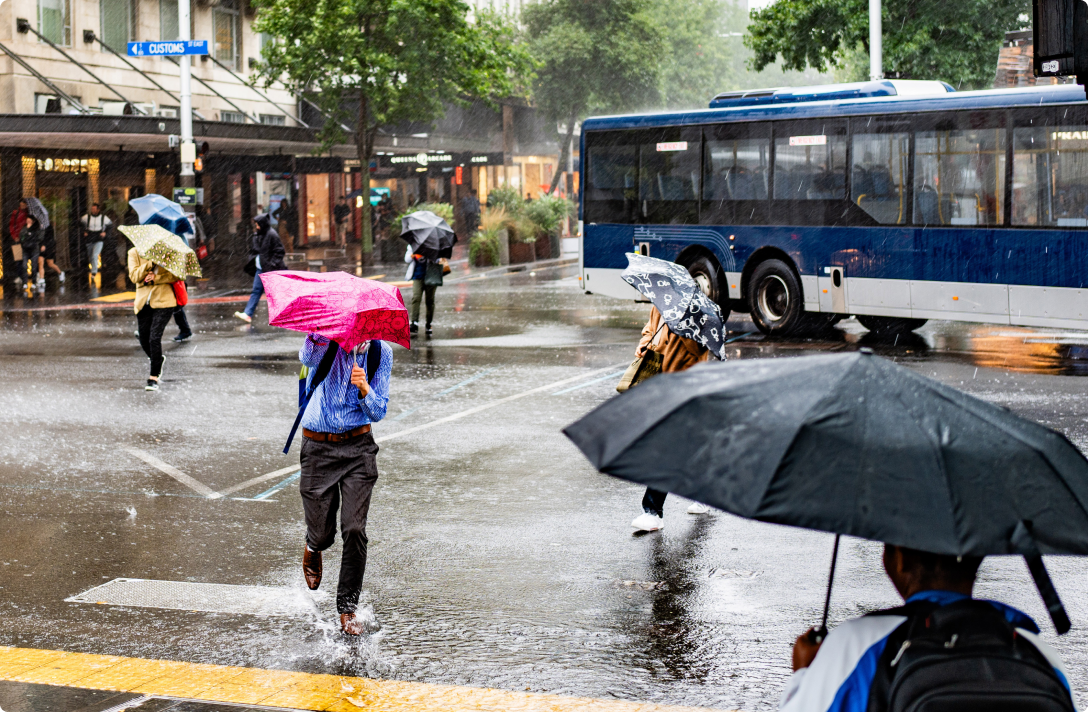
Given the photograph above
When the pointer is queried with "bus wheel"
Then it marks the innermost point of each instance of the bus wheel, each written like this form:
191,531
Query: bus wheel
774,294
889,325
705,273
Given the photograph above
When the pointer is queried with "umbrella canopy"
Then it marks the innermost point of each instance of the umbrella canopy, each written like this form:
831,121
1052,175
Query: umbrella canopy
337,305
850,444
155,243
687,311
154,209
37,211
428,234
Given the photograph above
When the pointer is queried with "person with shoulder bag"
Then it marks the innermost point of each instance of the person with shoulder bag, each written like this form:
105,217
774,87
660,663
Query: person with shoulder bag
660,351
426,276
154,305
265,255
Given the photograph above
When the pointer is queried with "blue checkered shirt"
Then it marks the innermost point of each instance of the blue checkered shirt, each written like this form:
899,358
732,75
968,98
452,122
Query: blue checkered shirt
336,406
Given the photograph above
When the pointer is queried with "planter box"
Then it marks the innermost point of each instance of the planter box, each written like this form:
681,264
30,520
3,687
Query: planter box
543,247
521,252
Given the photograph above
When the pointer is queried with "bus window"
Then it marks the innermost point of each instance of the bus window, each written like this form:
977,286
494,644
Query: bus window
959,177
737,169
1050,176
809,162
669,178
878,176
611,191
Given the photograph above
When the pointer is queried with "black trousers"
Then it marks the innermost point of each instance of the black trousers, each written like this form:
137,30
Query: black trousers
335,474
182,322
152,323
653,501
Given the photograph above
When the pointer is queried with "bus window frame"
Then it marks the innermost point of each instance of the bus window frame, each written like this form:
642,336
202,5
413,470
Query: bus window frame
784,211
609,138
1038,117
884,124
668,134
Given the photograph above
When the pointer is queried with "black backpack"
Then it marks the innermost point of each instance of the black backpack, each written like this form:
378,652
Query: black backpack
963,657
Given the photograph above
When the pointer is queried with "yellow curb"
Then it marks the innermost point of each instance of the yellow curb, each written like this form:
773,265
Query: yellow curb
281,688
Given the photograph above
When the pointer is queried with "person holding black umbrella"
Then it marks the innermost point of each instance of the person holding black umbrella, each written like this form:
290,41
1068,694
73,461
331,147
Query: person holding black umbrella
891,659
430,240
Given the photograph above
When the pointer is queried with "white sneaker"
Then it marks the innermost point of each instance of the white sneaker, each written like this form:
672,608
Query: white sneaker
41,284
244,317
61,277
697,508
647,522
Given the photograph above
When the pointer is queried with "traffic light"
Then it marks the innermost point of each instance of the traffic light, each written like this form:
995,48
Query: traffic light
1060,38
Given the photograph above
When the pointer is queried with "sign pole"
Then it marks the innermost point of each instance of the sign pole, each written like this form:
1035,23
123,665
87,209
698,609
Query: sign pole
188,148
876,47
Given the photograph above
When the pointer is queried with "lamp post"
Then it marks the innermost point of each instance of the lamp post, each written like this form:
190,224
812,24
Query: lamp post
188,148
876,49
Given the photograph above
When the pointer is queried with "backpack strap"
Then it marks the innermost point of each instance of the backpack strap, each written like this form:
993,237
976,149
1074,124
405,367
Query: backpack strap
916,614
323,369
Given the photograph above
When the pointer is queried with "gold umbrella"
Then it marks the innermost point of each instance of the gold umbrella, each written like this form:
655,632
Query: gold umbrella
164,248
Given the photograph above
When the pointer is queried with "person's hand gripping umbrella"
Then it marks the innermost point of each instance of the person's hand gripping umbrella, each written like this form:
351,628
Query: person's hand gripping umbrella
339,306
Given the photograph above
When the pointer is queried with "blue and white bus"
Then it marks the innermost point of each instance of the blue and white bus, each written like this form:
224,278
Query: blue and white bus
893,201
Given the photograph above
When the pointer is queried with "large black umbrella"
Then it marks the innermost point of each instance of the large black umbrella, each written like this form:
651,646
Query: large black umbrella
851,444
686,310
428,234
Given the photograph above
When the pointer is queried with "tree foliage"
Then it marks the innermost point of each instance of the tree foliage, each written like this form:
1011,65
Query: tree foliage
698,60
372,63
595,56
956,42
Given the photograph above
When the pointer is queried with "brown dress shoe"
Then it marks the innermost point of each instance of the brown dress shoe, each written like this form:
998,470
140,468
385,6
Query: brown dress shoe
351,625
311,568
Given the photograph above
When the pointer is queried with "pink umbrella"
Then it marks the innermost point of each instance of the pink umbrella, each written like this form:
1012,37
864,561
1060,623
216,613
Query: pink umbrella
337,305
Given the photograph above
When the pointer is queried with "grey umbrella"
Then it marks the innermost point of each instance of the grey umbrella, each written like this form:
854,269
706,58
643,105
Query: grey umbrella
428,234
37,211
851,444
686,310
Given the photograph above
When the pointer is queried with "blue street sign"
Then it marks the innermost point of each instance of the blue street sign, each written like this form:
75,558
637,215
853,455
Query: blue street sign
167,49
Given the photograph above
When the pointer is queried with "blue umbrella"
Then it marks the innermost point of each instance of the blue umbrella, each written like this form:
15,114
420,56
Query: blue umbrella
154,209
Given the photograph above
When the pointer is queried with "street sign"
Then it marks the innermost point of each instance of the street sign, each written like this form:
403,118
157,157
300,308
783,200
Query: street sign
189,196
167,49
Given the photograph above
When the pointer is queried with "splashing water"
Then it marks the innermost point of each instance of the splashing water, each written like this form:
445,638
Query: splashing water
131,512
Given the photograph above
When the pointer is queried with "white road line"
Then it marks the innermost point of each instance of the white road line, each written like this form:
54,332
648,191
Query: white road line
258,480
195,485
492,404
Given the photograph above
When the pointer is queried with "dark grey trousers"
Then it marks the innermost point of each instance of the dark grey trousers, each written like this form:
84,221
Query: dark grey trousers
335,474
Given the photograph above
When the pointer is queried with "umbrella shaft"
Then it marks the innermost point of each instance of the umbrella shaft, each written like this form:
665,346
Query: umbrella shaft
830,581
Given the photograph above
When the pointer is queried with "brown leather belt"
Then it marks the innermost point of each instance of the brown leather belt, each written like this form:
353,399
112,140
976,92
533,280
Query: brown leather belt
335,437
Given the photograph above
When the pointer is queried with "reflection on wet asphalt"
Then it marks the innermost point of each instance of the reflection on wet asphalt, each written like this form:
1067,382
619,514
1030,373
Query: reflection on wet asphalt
498,557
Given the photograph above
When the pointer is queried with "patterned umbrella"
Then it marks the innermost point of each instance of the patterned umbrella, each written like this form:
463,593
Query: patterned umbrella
686,310
164,248
37,211
337,305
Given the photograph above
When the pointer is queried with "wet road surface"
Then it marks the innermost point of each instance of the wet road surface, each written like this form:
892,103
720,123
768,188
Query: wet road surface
498,557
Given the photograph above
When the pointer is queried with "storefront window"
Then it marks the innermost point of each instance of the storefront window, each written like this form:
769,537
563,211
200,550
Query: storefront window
55,20
118,19
317,207
225,17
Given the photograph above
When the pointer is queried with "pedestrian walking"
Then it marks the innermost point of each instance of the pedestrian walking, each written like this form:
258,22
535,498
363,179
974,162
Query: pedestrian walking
16,223
340,213
39,247
155,303
678,353
470,211
942,649
426,276
339,459
94,224
265,255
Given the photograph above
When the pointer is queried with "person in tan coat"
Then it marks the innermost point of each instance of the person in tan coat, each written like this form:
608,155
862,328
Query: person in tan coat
678,354
154,306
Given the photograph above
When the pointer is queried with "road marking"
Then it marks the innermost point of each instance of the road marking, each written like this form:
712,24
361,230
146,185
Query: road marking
276,488
195,485
259,480
595,380
492,404
280,688
463,383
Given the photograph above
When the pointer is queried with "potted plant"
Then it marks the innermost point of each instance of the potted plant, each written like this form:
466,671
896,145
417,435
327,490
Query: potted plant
485,248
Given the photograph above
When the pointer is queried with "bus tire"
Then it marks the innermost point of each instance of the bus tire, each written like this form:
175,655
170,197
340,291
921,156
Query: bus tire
889,325
775,297
706,273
